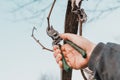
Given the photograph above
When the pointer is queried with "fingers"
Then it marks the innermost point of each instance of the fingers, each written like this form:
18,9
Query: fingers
58,58
56,50
60,64
66,50
57,55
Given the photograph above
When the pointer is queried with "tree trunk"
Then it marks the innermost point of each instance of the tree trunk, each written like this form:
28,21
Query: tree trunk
71,26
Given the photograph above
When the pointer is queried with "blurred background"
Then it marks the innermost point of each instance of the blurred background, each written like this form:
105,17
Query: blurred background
21,58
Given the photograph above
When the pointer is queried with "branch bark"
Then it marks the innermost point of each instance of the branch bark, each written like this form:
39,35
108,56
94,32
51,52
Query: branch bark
71,26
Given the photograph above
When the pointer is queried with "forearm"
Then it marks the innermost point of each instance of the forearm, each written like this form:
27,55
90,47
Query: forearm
105,61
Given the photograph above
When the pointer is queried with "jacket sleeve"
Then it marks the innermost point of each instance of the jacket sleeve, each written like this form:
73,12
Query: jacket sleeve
105,61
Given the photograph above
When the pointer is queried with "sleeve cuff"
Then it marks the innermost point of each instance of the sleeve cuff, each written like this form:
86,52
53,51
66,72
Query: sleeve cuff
95,56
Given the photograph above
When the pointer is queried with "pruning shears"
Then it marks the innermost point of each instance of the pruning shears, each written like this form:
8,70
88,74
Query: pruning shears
54,34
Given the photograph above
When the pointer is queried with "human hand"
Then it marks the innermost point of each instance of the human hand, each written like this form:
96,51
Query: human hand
73,58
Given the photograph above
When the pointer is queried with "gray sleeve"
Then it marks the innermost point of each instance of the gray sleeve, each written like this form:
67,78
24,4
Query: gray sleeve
105,61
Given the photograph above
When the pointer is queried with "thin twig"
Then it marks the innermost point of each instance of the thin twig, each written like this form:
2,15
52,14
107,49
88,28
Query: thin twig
43,47
90,74
80,33
88,71
83,74
80,27
50,13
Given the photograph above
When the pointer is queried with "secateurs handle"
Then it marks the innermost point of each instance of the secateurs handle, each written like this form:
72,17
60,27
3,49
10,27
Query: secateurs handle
66,67
80,50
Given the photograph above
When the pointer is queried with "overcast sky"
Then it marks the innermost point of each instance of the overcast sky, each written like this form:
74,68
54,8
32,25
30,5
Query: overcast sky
21,58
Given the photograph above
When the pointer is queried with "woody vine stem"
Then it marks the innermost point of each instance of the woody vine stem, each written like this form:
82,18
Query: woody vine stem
38,40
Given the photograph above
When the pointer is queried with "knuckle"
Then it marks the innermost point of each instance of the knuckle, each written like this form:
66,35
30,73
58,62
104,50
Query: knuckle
60,64
55,47
58,58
